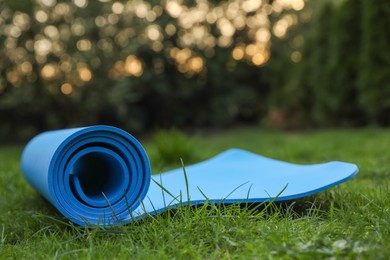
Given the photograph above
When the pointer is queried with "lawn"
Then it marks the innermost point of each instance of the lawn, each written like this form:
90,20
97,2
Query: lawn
351,220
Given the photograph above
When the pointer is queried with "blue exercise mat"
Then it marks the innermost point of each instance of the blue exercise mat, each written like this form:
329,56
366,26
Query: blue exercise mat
101,175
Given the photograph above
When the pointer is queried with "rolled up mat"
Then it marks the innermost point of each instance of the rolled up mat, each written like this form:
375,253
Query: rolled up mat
101,175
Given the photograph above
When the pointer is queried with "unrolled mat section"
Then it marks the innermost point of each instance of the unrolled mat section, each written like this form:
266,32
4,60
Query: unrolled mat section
101,175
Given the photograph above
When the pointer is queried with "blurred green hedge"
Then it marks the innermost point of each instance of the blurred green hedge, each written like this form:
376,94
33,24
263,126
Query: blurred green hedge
121,63
344,76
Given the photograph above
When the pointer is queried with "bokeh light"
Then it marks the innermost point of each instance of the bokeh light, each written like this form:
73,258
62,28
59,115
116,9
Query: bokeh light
296,56
66,89
69,46
133,66
84,73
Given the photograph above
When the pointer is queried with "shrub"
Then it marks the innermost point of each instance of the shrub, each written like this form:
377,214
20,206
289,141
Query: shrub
343,77
171,145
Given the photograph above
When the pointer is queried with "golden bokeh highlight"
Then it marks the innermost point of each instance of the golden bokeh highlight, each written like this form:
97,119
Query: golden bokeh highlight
118,8
226,27
258,59
84,45
298,5
51,32
43,46
41,16
153,32
80,3
26,67
251,5
238,53
183,55
195,64
133,66
48,3
224,41
85,74
157,46
296,56
263,35
170,29
141,10
174,8
251,50
66,66
66,89
13,77
48,71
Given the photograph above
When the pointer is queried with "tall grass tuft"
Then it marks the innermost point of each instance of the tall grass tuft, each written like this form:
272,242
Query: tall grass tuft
172,146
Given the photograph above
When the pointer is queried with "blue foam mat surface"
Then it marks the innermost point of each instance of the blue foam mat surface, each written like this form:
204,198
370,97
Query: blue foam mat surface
101,175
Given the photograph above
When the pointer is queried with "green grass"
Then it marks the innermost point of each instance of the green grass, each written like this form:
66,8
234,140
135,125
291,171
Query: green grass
348,221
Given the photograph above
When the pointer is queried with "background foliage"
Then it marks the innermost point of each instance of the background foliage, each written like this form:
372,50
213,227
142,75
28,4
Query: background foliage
344,76
145,64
